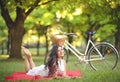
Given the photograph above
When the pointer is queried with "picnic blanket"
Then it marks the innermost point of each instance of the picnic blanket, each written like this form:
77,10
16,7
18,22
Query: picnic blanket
23,76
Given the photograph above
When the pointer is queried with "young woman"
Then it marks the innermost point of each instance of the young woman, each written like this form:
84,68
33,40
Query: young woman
55,66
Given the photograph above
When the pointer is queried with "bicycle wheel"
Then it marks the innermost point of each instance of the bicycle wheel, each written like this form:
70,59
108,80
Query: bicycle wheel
109,55
65,57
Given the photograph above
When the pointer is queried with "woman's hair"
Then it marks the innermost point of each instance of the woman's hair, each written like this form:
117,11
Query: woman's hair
52,62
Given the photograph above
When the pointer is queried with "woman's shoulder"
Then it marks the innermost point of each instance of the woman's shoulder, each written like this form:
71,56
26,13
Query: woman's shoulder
63,61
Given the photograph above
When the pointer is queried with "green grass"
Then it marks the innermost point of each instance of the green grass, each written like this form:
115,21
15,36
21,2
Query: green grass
7,67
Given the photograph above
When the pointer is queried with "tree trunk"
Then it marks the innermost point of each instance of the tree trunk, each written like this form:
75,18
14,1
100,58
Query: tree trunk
16,36
8,43
2,48
117,39
38,45
46,43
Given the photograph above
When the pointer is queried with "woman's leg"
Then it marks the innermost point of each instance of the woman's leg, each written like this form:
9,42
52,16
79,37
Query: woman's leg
29,63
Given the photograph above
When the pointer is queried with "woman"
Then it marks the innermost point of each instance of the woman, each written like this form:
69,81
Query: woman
55,66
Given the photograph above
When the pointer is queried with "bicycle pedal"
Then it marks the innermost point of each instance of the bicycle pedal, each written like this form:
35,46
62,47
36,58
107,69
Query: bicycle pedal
84,62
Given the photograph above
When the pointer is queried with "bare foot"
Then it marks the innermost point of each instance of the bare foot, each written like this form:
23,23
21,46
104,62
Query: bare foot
26,51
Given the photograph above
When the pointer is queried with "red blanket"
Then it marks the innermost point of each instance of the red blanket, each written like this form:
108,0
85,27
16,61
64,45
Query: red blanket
22,76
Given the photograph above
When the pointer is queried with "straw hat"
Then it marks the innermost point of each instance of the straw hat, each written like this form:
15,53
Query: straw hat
58,39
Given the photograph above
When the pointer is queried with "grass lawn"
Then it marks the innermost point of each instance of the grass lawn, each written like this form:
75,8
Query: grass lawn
7,67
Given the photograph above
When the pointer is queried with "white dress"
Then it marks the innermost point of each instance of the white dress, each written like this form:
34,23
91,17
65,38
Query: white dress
40,70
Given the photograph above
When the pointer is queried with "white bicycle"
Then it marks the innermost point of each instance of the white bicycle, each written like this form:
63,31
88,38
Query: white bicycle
99,56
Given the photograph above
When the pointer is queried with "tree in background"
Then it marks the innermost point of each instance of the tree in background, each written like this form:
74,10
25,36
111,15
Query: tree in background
16,30
42,30
3,37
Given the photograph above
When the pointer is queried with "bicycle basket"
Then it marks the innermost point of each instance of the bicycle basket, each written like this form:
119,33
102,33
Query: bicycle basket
58,39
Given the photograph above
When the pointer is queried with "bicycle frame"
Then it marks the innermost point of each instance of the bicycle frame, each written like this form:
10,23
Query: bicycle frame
80,55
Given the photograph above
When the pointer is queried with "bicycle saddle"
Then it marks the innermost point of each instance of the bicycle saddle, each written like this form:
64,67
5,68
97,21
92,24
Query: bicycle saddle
91,33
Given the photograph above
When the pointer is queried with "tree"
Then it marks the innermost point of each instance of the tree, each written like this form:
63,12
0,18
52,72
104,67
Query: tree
16,30
3,36
42,30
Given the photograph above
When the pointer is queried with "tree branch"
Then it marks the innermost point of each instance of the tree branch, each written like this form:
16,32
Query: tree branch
20,13
47,2
32,7
36,4
5,14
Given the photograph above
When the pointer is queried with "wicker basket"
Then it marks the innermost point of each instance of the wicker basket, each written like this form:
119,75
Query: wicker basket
58,39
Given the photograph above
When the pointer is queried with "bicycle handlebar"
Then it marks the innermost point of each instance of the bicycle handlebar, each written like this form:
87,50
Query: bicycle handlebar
73,34
70,34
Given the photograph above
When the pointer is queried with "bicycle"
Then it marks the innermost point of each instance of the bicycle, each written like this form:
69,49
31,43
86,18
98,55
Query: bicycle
97,56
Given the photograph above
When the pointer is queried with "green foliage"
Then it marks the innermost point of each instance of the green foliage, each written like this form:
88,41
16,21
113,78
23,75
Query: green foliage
103,15
40,15
106,33
24,4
